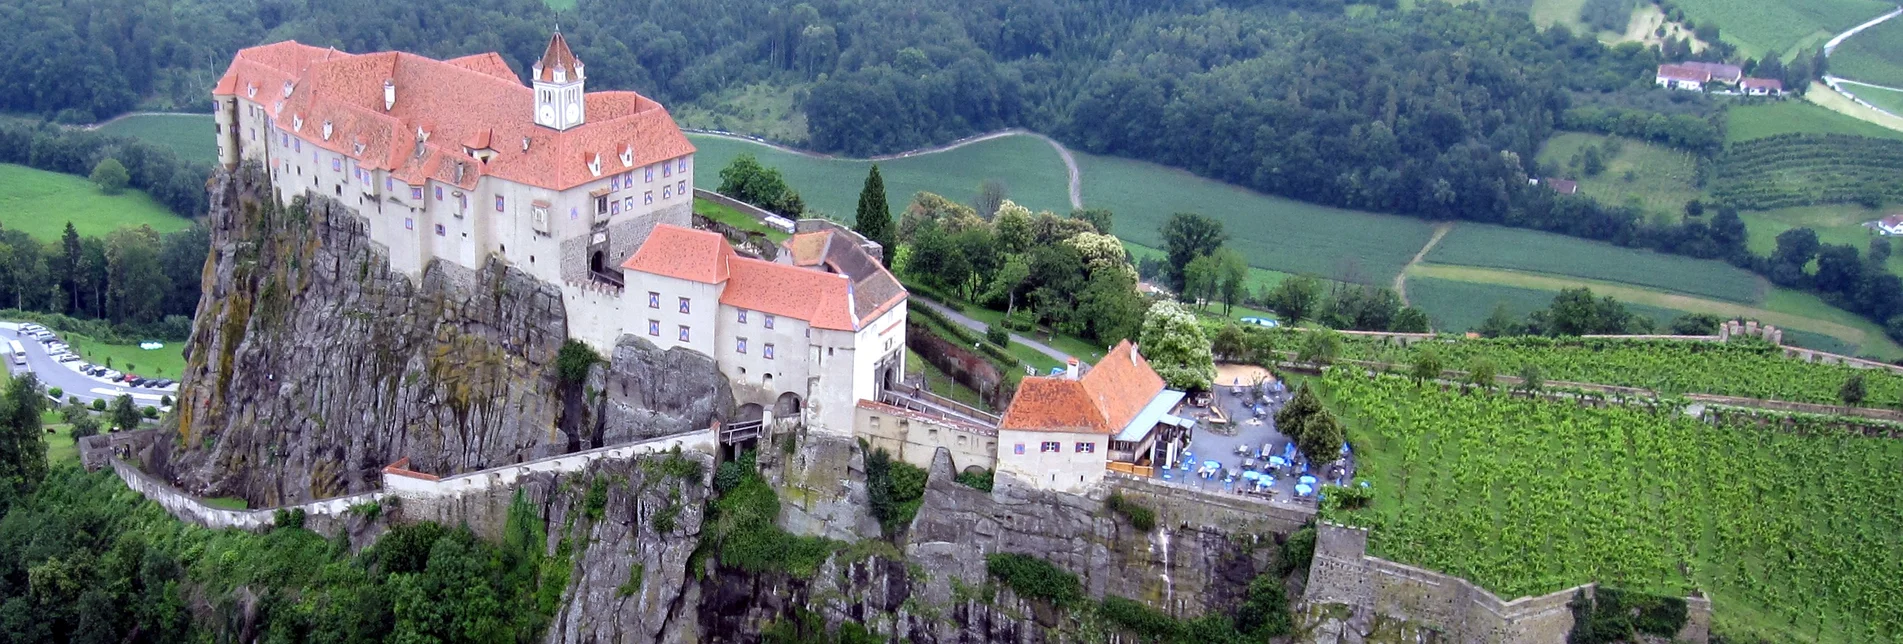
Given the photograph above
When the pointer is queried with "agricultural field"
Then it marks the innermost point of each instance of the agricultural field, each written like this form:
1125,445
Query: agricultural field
1278,234
1747,122
1533,251
1808,169
1890,100
1655,178
1792,534
1781,26
1874,55
1032,172
189,135
1523,292
40,203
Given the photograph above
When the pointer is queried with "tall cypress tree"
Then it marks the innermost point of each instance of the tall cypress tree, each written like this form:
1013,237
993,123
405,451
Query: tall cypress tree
875,219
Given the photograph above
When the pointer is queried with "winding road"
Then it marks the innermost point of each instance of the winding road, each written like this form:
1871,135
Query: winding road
1836,83
980,327
1070,161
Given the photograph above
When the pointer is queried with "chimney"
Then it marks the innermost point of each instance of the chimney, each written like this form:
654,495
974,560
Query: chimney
389,94
1070,370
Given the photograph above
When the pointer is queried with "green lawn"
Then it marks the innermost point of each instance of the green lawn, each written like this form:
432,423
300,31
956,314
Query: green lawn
1084,350
1746,122
168,362
1872,56
1547,13
190,135
726,215
1526,250
1271,232
1030,169
1456,306
1835,224
40,203
937,382
60,448
1655,178
1782,26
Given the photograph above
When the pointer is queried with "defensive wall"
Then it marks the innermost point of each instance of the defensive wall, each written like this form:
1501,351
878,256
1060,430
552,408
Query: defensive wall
1177,506
1342,573
775,221
398,481
914,437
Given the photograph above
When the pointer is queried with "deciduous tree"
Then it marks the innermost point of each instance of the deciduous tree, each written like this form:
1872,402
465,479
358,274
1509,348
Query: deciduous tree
1173,342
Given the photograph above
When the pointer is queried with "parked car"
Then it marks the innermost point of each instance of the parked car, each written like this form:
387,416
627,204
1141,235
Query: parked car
69,358
122,377
166,383
32,328
135,382
1262,322
112,374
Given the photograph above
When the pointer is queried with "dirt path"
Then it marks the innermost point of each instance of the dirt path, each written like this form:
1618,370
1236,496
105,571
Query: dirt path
1070,162
1400,280
1635,295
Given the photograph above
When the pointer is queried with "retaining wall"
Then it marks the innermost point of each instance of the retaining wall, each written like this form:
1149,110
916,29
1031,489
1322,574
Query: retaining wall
1235,514
1343,573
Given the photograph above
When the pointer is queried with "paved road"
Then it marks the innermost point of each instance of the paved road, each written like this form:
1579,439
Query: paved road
1061,357
56,374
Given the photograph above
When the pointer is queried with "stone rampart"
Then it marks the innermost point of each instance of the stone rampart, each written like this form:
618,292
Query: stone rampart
914,437
1342,573
398,481
1178,506
765,217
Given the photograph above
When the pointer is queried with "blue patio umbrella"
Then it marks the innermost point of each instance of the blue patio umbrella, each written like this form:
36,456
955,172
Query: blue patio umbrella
1303,490
1212,465
1308,480
1277,460
1344,448
1250,476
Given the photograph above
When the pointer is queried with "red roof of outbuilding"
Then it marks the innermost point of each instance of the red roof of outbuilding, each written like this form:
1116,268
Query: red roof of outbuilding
446,104
683,253
1763,83
1683,73
1103,401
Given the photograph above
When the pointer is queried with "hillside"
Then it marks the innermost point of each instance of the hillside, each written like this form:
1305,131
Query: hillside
41,203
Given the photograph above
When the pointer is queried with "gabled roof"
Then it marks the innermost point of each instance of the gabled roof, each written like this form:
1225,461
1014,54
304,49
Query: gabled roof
1718,71
683,253
822,299
1562,186
439,105
875,289
1104,401
1683,73
1762,83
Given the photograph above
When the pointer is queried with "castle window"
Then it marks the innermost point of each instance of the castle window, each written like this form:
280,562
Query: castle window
767,351
743,316
416,193
614,183
498,204
614,207
667,192
684,306
336,165
439,193
683,165
573,213
254,133
297,145
284,139
650,170
740,345
628,204
440,231
1086,448
684,333
409,223
654,300
389,183
769,320
647,198
1018,449
654,328
1050,447
681,188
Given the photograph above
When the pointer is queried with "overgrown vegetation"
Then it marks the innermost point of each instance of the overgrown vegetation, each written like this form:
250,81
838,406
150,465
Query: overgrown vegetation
980,479
574,360
1140,516
1613,615
894,490
1034,578
742,532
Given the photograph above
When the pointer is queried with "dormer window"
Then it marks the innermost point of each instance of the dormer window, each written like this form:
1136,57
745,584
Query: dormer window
627,157
288,86
327,130
251,90
277,108
594,164
297,123
359,148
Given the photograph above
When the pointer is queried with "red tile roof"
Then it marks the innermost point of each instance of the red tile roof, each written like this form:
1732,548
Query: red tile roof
448,103
557,57
1718,71
1103,401
683,253
1683,73
1762,83
809,248
1562,186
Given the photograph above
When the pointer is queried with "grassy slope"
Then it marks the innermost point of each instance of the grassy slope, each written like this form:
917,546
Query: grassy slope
190,135
1480,245
1781,26
1030,169
1748,122
1453,304
1273,233
737,219
759,109
41,202
1889,100
1663,179
937,382
1547,13
1872,56
1835,224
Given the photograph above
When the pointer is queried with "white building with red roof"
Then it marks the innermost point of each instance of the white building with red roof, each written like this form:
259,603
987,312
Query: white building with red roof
459,161
1682,77
1063,432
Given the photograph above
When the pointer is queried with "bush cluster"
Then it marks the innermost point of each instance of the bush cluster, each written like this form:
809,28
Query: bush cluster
1035,578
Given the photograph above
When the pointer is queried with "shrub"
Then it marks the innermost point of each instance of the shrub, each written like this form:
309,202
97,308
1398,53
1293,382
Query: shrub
56,392
99,404
894,489
994,334
595,504
574,360
1140,517
292,518
369,510
150,412
1264,610
633,585
980,479
1152,624
1297,551
1036,578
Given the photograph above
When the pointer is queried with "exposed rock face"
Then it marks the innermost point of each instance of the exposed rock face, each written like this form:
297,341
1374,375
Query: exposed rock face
631,582
312,365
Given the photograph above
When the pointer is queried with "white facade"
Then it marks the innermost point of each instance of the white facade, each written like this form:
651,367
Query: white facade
1063,461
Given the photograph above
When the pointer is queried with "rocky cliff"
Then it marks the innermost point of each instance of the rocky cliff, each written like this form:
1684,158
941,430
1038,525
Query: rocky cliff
312,365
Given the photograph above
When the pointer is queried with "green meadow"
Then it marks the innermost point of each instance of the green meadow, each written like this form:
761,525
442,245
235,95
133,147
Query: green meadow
1655,178
190,135
40,203
1874,55
1781,26
1526,250
1747,122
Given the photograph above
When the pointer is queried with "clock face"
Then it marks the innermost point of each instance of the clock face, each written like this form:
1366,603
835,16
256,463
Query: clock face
574,111
547,114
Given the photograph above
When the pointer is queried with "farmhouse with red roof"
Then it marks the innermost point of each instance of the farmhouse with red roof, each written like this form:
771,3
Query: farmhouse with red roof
1061,432
460,161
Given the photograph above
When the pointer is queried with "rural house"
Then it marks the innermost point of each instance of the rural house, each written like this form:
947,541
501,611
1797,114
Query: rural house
1561,186
1682,77
1891,225
1720,72
1762,87
1062,432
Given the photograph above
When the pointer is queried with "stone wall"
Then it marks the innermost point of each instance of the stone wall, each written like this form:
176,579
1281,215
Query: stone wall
1378,591
915,437
745,208
1182,507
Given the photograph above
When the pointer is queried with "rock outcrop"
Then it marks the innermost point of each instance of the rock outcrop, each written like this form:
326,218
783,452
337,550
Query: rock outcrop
312,365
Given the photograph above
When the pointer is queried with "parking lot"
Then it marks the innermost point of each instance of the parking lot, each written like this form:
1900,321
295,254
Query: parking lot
1248,449
41,352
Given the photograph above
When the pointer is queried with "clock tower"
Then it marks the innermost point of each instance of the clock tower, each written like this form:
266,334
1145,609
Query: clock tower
557,79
